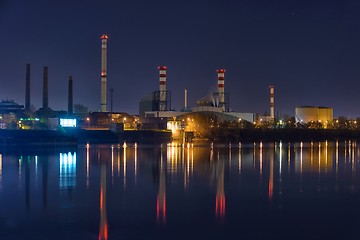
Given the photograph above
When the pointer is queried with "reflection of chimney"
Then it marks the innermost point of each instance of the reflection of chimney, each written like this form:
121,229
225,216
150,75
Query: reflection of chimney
103,233
70,96
45,89
161,197
27,88
220,192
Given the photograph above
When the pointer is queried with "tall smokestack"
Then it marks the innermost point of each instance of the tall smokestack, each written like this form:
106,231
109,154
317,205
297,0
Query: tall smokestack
221,86
162,88
185,104
70,96
27,88
45,89
104,39
272,103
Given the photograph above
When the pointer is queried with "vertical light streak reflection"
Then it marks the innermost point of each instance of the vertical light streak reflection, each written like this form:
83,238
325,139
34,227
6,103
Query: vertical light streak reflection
103,232
271,177
220,205
19,170
261,159
289,157
112,164
312,156
161,196
240,159
301,158
135,161
301,166
337,158
349,149
230,157
254,156
280,158
1,160
326,156
124,167
319,159
118,160
345,154
87,165
36,171
187,172
192,160
319,171
353,158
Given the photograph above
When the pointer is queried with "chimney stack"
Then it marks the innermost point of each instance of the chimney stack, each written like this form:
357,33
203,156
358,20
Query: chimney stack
27,88
272,103
70,96
162,88
221,86
45,89
185,104
104,39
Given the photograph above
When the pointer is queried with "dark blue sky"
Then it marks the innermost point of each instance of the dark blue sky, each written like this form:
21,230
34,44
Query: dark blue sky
309,50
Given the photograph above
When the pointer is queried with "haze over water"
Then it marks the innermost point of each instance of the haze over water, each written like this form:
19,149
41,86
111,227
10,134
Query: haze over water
192,191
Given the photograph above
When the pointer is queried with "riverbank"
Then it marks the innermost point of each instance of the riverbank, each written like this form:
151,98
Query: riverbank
131,136
286,135
35,138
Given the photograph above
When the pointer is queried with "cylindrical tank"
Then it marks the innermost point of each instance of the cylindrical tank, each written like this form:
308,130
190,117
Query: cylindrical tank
325,114
306,114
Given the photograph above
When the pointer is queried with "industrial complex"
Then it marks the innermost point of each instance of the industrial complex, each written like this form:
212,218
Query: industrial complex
155,110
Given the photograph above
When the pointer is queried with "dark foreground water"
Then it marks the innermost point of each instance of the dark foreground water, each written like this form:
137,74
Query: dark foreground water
200,191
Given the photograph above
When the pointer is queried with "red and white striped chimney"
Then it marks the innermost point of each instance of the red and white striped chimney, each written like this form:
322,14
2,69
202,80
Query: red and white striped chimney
272,103
221,86
104,39
162,87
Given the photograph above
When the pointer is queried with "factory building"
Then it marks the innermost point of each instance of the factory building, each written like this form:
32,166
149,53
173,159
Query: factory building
306,114
10,113
211,110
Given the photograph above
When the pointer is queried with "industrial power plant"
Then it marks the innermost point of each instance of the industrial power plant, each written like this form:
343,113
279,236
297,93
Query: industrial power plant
155,109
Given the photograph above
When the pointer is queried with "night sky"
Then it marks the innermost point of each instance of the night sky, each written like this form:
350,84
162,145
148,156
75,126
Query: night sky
309,50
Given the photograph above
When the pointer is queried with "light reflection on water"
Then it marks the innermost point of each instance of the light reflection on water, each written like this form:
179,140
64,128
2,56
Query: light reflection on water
207,188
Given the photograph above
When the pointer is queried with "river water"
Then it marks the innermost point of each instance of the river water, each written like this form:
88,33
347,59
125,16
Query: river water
276,190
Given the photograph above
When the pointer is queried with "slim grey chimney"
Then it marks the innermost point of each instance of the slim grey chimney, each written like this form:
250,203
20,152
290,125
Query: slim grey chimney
27,88
45,89
70,96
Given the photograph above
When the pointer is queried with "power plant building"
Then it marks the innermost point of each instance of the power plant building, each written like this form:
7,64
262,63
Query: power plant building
306,114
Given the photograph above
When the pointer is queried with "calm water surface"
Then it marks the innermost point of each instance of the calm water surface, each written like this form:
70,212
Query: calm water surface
192,191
